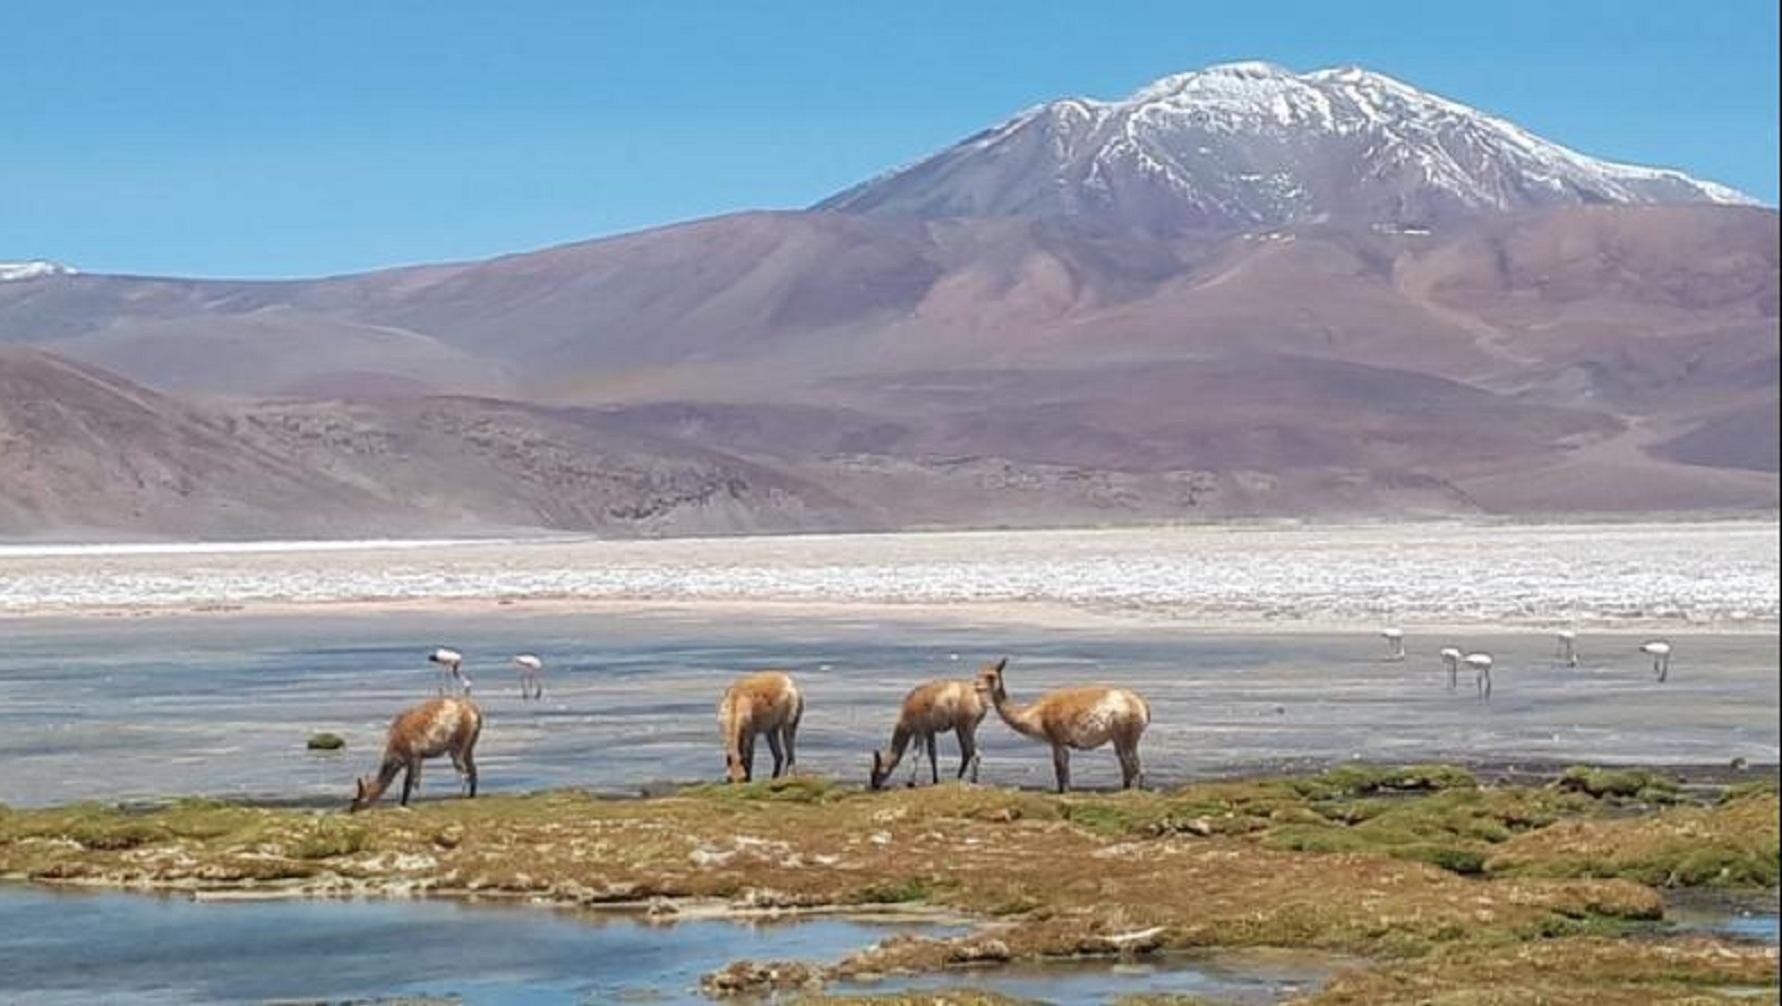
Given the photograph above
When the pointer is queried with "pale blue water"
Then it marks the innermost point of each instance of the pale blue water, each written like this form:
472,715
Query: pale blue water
1761,928
58,948
139,949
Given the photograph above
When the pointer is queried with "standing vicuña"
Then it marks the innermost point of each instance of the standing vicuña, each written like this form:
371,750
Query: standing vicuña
929,709
766,703
445,726
1081,718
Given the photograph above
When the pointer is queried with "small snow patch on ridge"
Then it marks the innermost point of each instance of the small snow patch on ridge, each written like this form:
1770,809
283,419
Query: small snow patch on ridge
32,269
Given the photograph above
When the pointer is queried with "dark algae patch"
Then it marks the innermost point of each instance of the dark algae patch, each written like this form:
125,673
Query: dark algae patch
1449,890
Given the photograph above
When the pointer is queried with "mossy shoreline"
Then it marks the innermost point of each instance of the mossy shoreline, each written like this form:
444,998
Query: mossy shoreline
1451,889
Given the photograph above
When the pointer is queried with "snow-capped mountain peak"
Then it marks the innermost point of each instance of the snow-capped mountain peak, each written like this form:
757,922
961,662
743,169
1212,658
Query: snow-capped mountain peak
32,269
1255,144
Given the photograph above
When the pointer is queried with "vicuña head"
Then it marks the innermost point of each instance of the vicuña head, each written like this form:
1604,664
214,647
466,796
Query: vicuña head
989,680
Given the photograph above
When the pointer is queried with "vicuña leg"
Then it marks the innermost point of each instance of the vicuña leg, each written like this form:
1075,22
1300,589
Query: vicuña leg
1130,773
968,754
779,752
1061,767
791,732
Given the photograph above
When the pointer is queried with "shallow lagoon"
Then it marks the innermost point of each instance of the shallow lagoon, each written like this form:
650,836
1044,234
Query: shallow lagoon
222,705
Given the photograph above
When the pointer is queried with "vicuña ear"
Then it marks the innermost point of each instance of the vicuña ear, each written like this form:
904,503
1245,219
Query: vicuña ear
1000,664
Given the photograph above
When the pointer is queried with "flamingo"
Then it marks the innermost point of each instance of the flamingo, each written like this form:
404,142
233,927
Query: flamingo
1395,643
1660,652
1481,665
529,667
1568,647
451,663
1451,661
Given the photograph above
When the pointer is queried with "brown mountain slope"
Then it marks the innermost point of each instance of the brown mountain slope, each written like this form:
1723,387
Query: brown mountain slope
812,295
883,372
477,462
84,453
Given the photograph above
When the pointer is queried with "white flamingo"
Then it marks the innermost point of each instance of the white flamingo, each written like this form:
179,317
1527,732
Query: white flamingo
1451,661
1660,652
1395,643
451,664
1481,665
1567,641
529,667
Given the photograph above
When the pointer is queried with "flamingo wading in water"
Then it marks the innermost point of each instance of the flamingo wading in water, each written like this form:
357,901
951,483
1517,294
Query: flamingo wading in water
1481,665
1395,643
451,664
1660,652
529,666
1451,661
1568,647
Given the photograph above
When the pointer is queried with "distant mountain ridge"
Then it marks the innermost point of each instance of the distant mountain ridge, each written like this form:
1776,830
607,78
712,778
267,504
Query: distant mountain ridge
1429,311
1255,145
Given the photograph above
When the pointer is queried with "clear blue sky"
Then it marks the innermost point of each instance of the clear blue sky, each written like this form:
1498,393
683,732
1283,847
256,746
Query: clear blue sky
273,138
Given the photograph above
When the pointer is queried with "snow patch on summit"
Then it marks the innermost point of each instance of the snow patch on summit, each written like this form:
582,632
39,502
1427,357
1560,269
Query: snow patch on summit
1253,143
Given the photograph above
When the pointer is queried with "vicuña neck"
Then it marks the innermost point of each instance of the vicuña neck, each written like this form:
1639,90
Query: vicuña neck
900,742
1015,716
386,774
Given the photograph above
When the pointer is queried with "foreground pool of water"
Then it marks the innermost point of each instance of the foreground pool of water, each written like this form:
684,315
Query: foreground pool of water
1746,917
1758,928
58,948
122,948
